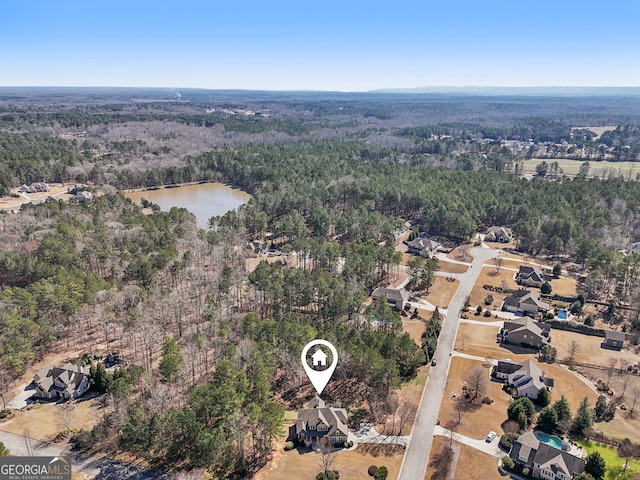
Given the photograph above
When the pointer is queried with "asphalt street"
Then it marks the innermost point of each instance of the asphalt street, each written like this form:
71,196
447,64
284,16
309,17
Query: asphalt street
415,460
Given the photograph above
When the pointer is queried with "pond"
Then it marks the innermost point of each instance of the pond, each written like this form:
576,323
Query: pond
204,200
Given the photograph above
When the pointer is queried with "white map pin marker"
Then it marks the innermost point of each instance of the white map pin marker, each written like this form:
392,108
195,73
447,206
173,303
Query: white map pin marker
319,378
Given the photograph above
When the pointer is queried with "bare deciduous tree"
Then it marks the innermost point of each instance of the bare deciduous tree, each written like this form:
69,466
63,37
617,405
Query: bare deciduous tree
65,412
477,383
635,396
611,368
574,348
327,454
405,411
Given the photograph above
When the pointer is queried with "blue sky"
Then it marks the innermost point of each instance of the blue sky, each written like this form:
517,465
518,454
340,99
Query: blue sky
347,45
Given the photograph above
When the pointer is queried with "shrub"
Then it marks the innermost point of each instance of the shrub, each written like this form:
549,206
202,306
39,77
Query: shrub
507,462
506,440
479,310
487,401
590,321
545,289
623,406
288,446
487,313
381,474
372,470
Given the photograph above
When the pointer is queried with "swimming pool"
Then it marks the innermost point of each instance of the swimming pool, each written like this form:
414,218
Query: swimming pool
562,314
551,440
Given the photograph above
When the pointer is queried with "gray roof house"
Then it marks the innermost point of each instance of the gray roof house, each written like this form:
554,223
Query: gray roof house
526,330
318,421
499,234
422,246
397,298
68,381
543,460
613,340
83,196
527,377
525,301
530,276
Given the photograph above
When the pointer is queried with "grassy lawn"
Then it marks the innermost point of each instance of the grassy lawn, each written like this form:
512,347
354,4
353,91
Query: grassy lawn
489,276
415,328
589,348
449,267
480,341
44,422
478,422
441,292
458,253
476,465
350,464
610,456
571,167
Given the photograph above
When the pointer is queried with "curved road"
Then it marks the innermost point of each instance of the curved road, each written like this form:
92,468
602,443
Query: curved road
415,460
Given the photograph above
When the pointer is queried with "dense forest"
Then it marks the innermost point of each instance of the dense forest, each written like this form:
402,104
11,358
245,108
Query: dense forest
213,346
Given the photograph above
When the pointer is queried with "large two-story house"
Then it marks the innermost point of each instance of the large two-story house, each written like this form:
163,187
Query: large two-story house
526,331
527,377
543,460
422,246
525,301
318,421
68,381
530,276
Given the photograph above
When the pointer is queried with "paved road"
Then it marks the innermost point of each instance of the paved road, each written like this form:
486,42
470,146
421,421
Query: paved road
89,465
415,460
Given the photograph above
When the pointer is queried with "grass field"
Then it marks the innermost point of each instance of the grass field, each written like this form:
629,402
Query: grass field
611,456
441,292
478,422
480,341
44,422
449,267
415,328
571,167
489,276
350,464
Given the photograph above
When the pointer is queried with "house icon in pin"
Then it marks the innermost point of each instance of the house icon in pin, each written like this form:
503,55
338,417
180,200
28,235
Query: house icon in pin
319,358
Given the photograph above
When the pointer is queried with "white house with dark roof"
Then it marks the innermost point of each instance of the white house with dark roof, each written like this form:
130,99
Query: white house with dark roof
68,381
543,460
319,421
527,377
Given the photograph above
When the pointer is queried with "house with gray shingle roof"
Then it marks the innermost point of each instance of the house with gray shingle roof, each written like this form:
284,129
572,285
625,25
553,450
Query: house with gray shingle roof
423,246
525,301
530,276
613,340
499,234
525,330
68,381
319,421
397,298
543,460
527,377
